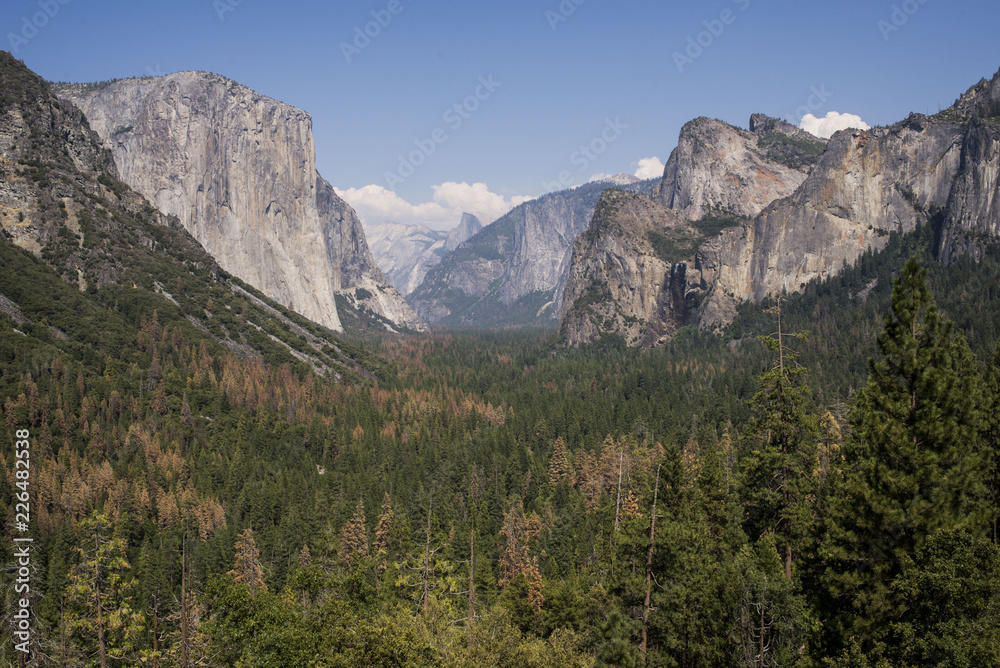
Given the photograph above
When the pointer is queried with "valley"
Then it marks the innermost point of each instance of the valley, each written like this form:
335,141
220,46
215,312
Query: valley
743,414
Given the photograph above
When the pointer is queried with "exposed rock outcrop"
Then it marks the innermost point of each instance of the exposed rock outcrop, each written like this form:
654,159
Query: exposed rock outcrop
239,171
865,185
720,168
621,277
406,252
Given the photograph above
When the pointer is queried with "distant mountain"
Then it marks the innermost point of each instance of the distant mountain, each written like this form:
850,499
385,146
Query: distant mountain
621,180
238,169
465,230
514,270
407,252
86,263
937,170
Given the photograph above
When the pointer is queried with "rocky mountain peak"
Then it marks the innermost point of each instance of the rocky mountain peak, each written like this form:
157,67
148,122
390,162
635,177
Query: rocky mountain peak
981,101
717,167
762,124
622,179
466,229
514,270
852,192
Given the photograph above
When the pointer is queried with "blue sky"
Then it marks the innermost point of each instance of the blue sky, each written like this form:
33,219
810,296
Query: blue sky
534,80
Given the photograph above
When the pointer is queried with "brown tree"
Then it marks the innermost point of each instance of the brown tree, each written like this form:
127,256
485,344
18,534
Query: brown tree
559,468
247,567
516,560
354,537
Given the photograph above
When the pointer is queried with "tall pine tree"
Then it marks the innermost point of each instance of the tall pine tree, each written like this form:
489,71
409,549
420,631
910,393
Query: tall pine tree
914,465
778,487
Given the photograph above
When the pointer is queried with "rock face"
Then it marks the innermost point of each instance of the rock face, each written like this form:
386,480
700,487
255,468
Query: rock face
974,202
620,280
720,168
466,229
515,269
865,185
239,171
62,200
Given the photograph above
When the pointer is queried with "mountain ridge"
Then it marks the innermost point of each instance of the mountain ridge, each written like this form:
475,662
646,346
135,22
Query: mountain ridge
864,185
104,262
514,270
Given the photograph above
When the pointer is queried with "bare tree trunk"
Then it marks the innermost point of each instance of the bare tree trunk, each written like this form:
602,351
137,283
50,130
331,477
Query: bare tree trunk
618,503
427,559
763,634
185,659
472,580
649,571
100,609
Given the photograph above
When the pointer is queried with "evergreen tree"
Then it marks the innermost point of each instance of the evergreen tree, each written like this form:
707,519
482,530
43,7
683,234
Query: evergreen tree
247,568
778,488
354,537
991,436
949,594
383,534
101,612
383,529
616,647
914,465
559,467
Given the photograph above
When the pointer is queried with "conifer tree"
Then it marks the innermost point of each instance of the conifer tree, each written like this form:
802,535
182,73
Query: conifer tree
383,528
247,568
991,434
354,537
517,533
383,532
101,612
559,468
914,465
777,481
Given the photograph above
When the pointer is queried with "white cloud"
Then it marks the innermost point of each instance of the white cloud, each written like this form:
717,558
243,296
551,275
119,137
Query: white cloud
650,168
833,122
375,204
476,199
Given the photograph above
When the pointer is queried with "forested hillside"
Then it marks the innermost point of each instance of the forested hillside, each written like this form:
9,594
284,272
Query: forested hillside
214,481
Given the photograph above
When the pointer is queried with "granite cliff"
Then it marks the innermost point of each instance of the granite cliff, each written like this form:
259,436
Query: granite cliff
86,263
866,184
238,170
719,167
620,277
